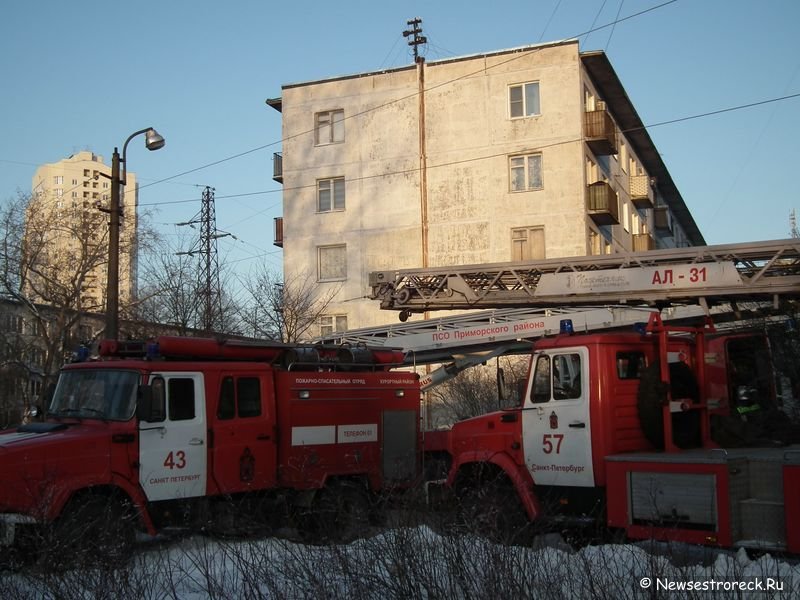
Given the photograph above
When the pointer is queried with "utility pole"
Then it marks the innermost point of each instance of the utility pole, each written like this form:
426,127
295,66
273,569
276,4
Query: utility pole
415,33
793,231
416,37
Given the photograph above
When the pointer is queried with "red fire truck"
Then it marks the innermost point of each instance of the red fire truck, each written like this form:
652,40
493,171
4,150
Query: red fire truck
665,432
602,434
180,430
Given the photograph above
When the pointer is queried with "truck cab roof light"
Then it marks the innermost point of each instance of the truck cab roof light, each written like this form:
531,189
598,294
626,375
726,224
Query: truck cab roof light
81,354
565,326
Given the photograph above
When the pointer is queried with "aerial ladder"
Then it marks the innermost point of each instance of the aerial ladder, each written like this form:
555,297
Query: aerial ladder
705,275
525,300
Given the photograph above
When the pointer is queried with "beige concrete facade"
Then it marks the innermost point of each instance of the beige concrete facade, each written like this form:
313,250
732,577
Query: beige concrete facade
493,162
65,204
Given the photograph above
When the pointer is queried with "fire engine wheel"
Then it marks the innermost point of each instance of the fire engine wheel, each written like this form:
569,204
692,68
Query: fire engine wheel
341,513
93,529
653,393
492,510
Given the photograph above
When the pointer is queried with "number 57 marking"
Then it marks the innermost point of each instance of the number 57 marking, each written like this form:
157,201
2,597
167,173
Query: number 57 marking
547,442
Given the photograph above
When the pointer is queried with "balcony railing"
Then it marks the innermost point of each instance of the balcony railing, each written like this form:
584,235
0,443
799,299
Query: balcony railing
641,191
277,167
642,242
278,232
600,132
602,204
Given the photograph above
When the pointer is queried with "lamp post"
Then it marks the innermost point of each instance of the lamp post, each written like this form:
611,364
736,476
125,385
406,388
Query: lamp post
153,141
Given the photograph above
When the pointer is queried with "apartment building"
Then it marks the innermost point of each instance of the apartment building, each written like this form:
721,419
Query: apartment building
70,232
521,154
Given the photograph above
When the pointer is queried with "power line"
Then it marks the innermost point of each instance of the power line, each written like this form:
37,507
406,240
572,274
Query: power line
715,112
610,35
550,20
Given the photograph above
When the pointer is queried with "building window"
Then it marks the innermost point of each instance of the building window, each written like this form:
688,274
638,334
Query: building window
598,244
58,180
526,172
527,243
523,100
329,127
59,192
330,324
332,263
15,323
330,194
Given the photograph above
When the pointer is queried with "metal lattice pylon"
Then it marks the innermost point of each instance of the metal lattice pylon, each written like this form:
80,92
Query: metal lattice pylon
212,299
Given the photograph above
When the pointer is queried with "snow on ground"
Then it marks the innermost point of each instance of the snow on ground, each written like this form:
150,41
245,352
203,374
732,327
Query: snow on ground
416,563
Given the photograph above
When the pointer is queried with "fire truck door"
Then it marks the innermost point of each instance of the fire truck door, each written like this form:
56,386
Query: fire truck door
244,455
557,434
172,447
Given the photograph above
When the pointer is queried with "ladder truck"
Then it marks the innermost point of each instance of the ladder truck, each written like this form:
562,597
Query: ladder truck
664,431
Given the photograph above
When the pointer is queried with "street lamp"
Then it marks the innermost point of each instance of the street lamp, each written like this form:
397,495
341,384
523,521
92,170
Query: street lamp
153,141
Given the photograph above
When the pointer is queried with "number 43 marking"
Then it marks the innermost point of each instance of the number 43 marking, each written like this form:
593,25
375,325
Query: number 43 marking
547,442
175,460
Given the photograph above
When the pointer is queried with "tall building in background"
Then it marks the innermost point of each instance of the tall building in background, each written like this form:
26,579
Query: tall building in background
67,233
523,154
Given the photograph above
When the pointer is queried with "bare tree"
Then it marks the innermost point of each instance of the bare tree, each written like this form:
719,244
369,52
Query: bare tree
170,295
280,309
477,391
51,257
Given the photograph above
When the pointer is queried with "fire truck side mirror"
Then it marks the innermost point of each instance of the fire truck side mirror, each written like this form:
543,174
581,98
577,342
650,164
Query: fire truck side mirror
144,403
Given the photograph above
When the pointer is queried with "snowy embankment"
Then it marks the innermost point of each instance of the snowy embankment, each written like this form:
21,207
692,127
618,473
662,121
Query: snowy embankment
414,563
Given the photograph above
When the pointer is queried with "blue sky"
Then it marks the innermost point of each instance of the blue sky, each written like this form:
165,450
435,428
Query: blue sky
83,75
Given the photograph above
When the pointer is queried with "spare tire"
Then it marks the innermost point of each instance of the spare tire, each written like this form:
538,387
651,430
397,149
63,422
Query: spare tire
686,427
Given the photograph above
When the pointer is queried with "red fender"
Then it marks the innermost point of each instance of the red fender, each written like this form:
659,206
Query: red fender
518,474
134,492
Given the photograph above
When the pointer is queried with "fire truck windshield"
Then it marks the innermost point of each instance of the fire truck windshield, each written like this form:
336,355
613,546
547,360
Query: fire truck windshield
95,394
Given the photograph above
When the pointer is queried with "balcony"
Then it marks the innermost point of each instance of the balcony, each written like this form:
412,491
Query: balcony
661,221
602,204
278,232
641,191
600,132
642,242
277,167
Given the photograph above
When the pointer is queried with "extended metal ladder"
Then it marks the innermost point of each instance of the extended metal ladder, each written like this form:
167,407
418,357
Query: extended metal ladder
755,271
